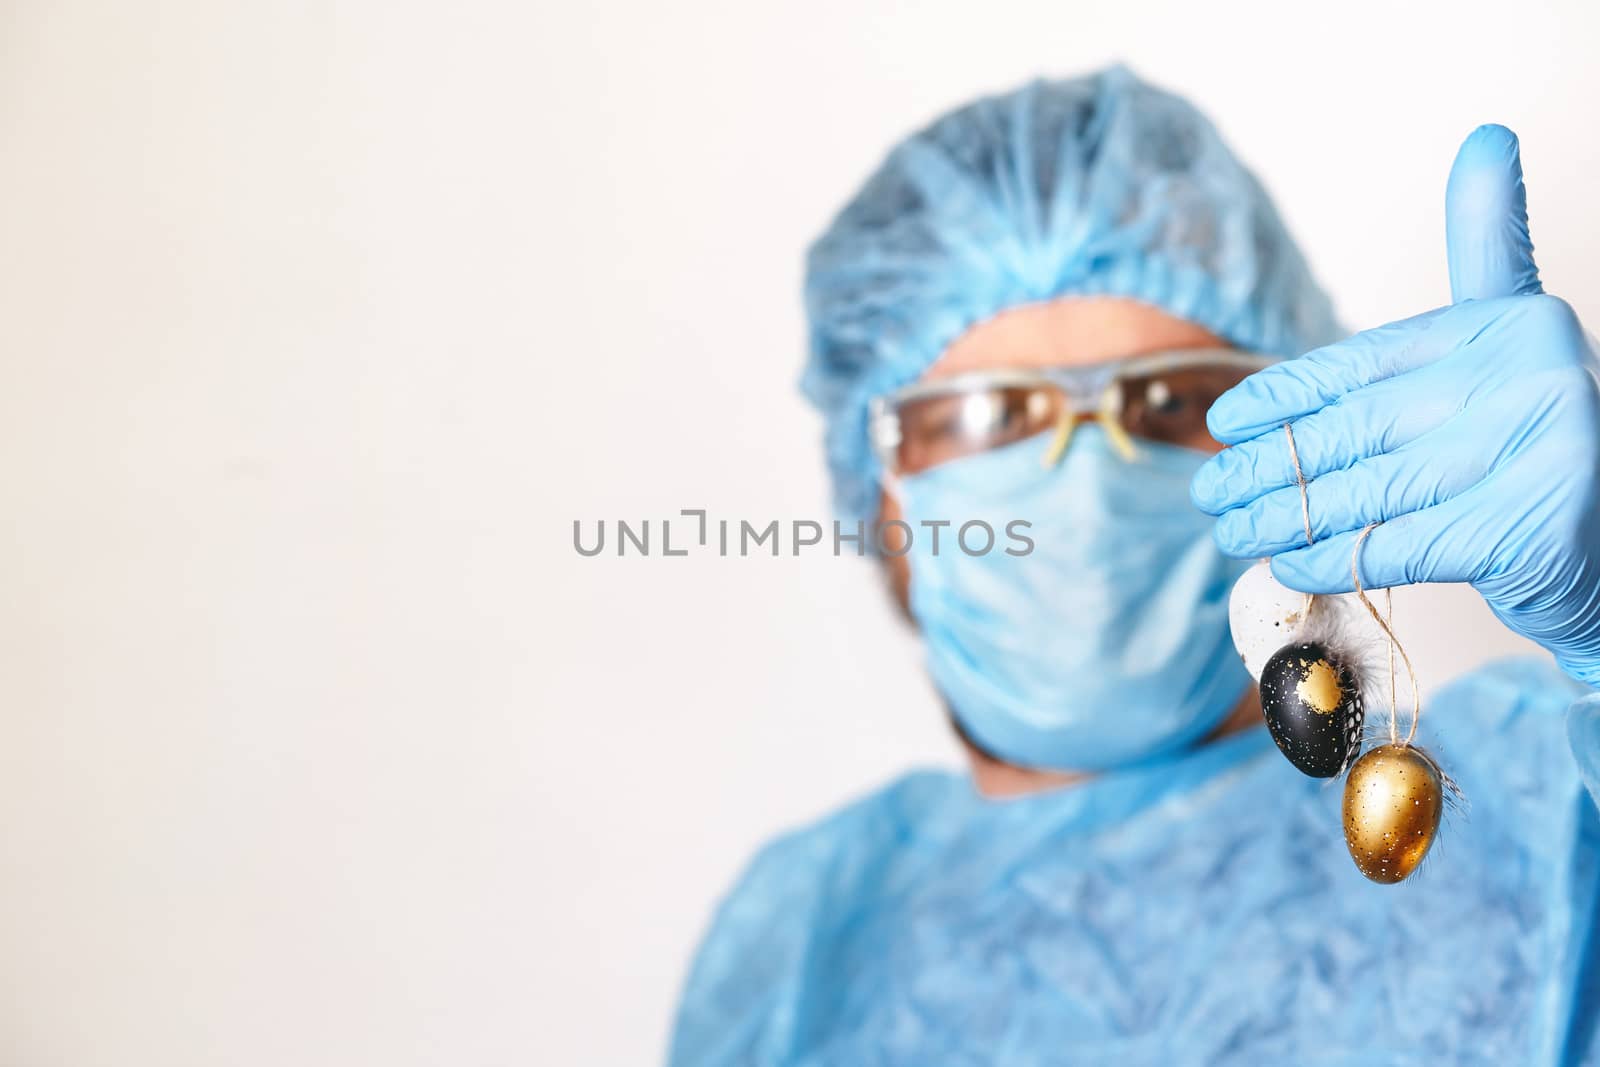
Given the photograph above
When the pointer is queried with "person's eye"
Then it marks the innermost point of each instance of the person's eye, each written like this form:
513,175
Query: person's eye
1014,418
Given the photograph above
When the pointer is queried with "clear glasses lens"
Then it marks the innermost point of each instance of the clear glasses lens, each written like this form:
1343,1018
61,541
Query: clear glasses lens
937,429
1170,407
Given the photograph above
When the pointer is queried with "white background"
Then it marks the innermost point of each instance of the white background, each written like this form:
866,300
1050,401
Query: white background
320,326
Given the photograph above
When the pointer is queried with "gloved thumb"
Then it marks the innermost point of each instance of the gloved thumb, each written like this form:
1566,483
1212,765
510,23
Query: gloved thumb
1486,219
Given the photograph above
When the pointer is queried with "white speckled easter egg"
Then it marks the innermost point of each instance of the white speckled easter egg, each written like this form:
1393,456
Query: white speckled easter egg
1264,616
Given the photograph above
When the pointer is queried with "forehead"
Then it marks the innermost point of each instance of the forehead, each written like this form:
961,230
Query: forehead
1069,331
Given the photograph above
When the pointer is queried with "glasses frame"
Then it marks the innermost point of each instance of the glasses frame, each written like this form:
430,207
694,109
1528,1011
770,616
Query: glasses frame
1089,389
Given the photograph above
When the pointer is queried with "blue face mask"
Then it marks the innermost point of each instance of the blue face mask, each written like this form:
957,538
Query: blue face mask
1107,643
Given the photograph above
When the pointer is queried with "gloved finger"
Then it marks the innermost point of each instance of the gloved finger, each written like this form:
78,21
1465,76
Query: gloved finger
1285,391
1368,422
1432,545
1486,219
1422,475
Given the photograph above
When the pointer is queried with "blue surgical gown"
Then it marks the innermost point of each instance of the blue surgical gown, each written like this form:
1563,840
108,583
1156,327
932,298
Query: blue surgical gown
1203,910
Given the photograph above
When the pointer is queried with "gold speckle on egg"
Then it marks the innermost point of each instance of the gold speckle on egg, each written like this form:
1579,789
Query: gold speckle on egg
1393,799
1311,702
1319,687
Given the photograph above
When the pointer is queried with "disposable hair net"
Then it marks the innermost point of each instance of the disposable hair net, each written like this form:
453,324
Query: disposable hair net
1093,185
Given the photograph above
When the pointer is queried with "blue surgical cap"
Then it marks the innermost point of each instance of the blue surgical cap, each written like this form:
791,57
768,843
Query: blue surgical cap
1094,185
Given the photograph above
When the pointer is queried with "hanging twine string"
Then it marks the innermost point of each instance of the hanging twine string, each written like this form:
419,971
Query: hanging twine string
1300,480
1388,617
1305,509
1388,603
1394,647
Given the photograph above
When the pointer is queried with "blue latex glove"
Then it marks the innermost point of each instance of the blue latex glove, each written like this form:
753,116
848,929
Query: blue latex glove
1472,432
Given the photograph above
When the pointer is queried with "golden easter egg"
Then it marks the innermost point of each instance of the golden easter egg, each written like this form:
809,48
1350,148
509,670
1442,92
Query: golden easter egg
1393,798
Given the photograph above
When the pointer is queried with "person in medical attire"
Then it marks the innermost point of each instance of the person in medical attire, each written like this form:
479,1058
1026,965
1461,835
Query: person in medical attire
1058,305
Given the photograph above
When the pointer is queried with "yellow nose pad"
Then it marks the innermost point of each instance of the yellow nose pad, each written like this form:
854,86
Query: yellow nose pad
1108,422
1118,436
1063,436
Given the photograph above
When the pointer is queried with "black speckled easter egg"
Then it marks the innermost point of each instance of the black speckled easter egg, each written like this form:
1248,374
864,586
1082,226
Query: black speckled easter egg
1312,705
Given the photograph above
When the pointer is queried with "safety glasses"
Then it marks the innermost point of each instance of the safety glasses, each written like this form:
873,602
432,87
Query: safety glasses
1161,396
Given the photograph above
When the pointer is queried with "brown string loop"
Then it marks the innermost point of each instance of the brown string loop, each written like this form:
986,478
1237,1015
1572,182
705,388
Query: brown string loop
1383,624
1305,509
1394,646
1300,480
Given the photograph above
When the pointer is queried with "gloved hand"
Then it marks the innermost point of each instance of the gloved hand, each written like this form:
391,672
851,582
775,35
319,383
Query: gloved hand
1472,432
